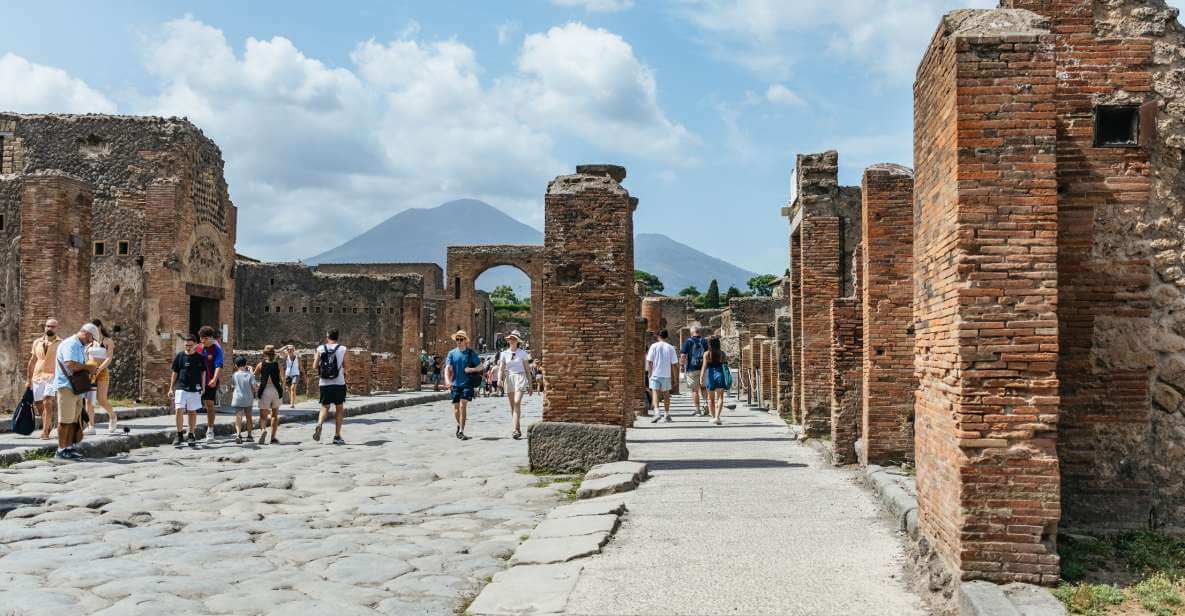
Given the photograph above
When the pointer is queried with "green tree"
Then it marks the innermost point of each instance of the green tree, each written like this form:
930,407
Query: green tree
689,292
650,281
503,295
731,293
712,297
763,285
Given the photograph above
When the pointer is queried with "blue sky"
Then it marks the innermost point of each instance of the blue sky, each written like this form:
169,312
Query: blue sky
333,118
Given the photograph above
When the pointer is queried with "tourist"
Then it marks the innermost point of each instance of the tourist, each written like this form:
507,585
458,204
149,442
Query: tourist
211,352
462,362
660,358
425,368
243,398
71,359
189,368
99,354
514,366
39,375
437,368
291,373
712,377
331,370
692,358
270,394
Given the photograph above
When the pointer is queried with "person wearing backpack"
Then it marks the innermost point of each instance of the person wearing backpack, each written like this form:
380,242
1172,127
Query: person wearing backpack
693,362
331,369
463,368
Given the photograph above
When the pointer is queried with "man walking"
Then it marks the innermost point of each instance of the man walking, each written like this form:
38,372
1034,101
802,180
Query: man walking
331,369
189,368
461,362
70,359
211,352
692,358
40,374
659,360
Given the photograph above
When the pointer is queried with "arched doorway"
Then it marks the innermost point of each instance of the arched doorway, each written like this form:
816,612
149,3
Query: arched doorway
465,309
508,291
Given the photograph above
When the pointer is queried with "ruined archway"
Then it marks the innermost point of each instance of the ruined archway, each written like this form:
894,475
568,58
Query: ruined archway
464,309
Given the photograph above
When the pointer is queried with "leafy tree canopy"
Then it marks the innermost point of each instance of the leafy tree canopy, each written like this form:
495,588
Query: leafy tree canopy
689,292
763,285
503,295
651,282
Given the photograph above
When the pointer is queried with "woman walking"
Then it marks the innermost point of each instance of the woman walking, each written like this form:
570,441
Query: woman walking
291,373
515,375
268,373
712,376
99,353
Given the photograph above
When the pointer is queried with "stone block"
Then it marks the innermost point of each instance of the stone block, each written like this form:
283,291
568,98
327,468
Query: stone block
559,528
562,447
558,550
541,589
984,599
613,484
637,469
595,507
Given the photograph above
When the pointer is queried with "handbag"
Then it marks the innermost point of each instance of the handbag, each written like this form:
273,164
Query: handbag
22,418
727,377
80,382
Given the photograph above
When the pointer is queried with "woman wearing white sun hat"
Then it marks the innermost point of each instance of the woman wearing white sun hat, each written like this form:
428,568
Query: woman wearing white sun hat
515,375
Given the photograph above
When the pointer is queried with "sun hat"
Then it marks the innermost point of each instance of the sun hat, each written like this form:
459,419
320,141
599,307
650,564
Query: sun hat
514,334
460,335
91,329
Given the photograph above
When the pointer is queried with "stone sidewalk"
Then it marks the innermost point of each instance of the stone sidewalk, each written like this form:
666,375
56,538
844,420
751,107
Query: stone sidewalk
741,519
404,520
158,429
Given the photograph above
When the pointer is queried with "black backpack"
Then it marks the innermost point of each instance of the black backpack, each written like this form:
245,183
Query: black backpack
23,421
327,366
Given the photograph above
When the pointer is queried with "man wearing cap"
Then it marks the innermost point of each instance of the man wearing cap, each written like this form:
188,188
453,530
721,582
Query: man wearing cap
70,358
40,374
461,362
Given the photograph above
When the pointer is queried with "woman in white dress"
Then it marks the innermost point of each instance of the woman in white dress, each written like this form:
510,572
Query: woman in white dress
100,353
515,375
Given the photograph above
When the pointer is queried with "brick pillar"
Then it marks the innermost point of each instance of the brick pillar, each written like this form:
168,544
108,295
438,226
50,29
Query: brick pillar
820,253
888,381
744,386
652,312
795,302
413,327
784,354
846,378
168,301
757,369
358,371
588,277
985,301
637,375
769,374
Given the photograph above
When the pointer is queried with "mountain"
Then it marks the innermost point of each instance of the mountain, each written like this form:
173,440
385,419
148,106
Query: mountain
424,235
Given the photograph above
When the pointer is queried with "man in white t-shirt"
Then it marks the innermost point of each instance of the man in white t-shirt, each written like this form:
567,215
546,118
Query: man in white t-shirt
331,368
659,360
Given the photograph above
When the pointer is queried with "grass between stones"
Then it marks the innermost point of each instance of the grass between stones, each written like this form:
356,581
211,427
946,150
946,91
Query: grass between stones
1138,573
36,454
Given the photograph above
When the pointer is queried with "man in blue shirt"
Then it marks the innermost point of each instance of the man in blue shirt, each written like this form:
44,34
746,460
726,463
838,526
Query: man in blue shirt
692,355
460,364
211,351
71,358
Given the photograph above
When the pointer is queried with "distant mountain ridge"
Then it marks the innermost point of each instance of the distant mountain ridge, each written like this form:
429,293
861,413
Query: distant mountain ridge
424,235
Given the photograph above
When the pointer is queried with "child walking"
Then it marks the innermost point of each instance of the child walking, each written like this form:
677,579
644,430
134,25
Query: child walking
243,398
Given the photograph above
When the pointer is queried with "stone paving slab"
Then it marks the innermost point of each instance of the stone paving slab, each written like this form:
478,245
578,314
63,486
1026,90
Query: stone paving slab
153,429
533,589
558,549
598,506
603,486
577,525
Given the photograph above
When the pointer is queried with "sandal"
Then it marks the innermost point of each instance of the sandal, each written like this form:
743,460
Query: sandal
517,435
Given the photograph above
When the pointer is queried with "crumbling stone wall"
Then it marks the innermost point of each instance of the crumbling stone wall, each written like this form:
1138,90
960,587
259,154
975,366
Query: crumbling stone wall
432,273
13,357
887,288
985,296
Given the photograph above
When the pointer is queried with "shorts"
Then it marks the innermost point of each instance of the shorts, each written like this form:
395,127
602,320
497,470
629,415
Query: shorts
211,394
271,399
518,382
436,377
69,406
661,383
43,390
292,380
331,394
691,377
187,400
715,379
462,393
103,377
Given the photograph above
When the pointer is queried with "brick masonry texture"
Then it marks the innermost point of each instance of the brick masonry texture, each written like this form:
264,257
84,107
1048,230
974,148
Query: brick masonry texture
466,264
887,288
846,372
163,214
588,291
985,297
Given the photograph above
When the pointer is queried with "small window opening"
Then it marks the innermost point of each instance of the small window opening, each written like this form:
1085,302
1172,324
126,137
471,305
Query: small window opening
1,215
272,282
457,288
331,310
316,310
304,309
291,309
123,248
100,249
115,289
1116,126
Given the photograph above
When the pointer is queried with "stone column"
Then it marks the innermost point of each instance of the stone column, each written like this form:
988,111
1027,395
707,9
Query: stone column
757,369
409,352
846,377
820,285
652,312
588,277
985,298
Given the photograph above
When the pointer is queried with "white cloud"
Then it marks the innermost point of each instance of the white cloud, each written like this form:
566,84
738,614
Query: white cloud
589,82
770,36
36,88
597,6
323,152
781,95
507,31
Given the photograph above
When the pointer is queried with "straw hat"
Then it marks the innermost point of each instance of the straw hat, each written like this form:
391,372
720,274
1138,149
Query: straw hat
460,335
514,334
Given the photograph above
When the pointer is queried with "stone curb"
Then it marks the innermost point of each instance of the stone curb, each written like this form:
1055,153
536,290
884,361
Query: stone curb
124,412
987,599
900,503
101,446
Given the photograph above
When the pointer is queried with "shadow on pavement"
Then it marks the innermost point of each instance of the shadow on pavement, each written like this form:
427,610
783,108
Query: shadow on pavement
720,464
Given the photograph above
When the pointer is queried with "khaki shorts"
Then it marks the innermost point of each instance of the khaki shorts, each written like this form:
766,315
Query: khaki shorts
691,377
270,399
69,406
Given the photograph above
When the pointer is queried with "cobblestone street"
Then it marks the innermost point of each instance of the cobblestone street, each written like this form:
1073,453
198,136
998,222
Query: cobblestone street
405,519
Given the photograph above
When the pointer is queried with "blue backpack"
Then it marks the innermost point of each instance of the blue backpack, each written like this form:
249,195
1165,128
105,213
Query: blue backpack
695,355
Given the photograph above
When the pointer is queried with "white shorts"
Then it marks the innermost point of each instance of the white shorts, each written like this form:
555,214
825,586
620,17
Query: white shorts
43,390
517,381
187,400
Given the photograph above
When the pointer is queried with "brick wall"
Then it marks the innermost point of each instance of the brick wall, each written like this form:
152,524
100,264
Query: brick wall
785,370
13,354
985,298
588,279
846,377
408,375
887,288
821,284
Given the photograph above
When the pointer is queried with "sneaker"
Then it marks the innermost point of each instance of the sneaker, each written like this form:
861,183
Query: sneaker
111,430
717,421
517,435
337,440
263,437
71,453
316,433
668,418
276,441
210,436
463,437
458,433
239,439
192,440
731,407
90,430
62,455
656,419
177,440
